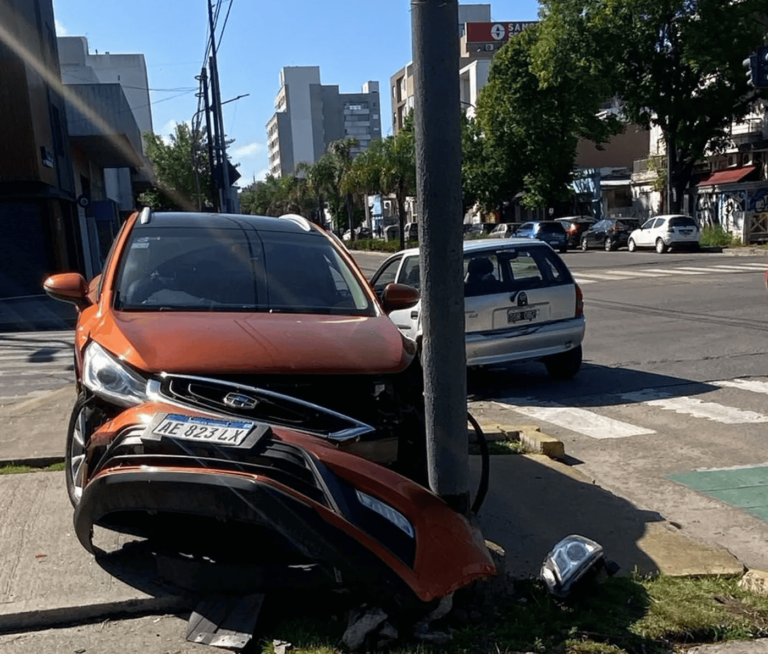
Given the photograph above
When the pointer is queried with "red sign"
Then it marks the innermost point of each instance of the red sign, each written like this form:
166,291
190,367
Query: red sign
495,32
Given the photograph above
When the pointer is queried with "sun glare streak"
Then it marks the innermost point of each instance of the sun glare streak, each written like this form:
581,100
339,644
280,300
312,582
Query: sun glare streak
53,80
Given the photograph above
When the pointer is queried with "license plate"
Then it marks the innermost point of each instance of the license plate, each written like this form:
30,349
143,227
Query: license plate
204,430
686,232
521,315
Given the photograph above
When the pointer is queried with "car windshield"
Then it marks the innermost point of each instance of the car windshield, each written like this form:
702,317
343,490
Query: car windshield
627,224
198,269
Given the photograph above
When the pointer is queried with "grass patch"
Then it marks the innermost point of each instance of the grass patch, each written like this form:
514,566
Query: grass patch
716,236
506,447
18,470
626,615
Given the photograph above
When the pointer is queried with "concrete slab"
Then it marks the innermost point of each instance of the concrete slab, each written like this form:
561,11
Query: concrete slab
47,578
740,647
35,431
533,502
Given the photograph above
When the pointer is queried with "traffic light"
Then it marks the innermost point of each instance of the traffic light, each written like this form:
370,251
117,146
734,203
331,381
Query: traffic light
760,68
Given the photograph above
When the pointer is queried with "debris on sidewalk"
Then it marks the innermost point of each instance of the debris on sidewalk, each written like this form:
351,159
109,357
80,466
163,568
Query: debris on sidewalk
281,646
362,623
755,581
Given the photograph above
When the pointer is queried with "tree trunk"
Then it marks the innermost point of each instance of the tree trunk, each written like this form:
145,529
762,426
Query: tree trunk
673,195
350,215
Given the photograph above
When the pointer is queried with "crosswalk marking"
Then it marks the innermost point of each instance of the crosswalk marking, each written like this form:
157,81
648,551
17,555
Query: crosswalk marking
604,276
578,420
673,271
694,407
731,268
633,273
702,270
744,385
756,266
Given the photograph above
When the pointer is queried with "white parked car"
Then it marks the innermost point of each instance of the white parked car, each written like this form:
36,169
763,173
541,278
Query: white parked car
521,303
665,232
503,230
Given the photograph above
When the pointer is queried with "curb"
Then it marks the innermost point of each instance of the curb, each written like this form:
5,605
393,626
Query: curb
26,620
531,436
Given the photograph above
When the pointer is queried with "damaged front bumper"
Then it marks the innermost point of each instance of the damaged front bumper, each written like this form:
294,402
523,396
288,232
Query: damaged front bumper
280,498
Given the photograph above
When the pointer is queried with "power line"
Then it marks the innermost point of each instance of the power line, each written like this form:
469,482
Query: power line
226,19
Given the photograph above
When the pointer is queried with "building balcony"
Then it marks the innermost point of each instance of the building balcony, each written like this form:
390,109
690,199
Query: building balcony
101,124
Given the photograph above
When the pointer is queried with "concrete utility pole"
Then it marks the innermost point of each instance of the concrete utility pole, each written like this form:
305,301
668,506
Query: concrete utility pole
218,118
435,26
211,159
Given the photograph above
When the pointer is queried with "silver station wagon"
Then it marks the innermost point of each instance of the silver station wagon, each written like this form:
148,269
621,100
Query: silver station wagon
520,302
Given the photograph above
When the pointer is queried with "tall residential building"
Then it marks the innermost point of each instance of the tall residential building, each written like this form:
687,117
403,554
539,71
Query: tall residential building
309,116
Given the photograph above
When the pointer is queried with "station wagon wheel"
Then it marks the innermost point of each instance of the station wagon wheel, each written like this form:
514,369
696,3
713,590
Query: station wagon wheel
660,247
631,245
608,244
78,435
584,245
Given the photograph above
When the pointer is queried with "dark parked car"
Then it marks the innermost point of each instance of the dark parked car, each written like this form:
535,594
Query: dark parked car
609,233
549,231
575,226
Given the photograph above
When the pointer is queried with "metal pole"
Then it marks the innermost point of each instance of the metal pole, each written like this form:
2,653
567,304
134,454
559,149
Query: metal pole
221,145
211,161
438,172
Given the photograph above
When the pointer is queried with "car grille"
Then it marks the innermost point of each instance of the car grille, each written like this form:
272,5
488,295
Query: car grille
244,397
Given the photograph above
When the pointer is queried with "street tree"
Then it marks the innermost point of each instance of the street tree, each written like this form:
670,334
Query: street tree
182,173
339,186
676,64
276,196
532,126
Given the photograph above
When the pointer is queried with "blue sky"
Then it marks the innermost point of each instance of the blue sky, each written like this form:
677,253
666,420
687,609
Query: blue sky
352,41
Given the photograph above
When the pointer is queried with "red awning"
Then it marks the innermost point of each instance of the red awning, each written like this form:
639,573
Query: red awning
726,176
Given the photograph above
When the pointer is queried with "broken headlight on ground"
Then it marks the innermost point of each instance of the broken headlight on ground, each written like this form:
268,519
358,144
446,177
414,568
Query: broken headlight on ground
572,560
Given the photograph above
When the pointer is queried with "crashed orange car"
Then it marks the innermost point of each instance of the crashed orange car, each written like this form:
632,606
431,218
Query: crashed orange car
240,383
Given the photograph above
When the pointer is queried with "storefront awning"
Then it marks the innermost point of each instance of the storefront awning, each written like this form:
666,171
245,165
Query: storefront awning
726,176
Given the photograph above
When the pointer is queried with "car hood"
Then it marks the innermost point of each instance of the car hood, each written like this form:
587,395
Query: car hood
254,343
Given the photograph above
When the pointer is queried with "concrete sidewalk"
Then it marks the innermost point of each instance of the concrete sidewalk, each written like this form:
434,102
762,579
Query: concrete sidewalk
46,578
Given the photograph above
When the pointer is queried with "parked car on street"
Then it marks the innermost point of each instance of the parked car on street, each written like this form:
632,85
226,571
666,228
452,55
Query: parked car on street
521,303
411,231
666,232
360,232
609,233
476,230
575,226
503,230
549,231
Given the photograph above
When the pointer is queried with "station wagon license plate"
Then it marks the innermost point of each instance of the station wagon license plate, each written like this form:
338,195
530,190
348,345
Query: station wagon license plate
521,315
204,430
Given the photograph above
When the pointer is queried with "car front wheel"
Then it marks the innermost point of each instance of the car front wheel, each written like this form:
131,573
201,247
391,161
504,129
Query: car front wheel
81,426
564,365
584,245
631,245
660,247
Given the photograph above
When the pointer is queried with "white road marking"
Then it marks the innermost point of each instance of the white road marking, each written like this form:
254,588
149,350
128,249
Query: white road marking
582,282
744,385
695,407
756,266
703,270
633,273
578,420
603,277
673,271
733,268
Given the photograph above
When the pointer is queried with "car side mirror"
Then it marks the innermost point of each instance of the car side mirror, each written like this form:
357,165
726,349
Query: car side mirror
68,287
399,296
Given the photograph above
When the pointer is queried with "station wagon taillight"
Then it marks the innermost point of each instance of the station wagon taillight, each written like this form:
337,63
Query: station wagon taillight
579,301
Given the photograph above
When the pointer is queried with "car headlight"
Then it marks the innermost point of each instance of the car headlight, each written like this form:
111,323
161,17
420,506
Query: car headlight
106,377
387,512
569,561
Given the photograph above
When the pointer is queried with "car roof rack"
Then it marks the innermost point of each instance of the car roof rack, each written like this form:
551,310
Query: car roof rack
301,221
145,216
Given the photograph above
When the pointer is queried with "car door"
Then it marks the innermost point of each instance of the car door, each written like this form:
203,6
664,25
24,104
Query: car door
645,235
386,275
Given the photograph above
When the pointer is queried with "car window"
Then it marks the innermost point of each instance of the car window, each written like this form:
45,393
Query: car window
193,269
410,273
512,270
386,276
682,221
648,224
551,228
600,225
525,226
627,224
